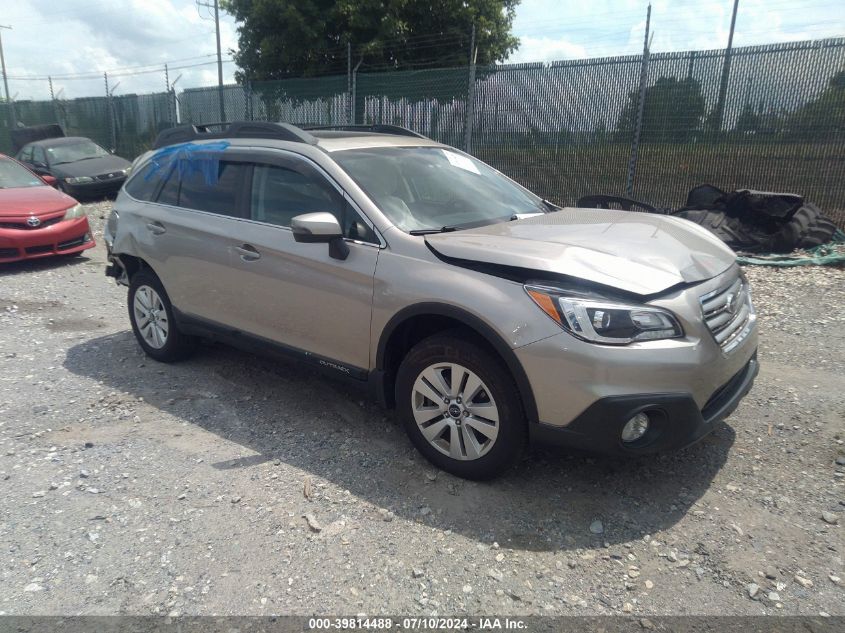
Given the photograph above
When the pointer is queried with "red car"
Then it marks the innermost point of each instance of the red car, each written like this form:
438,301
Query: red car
37,220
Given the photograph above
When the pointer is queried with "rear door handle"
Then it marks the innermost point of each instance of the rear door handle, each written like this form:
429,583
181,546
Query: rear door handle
248,252
156,228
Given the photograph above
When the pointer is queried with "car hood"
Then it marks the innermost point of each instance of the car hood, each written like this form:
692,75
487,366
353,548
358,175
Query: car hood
639,253
22,201
91,166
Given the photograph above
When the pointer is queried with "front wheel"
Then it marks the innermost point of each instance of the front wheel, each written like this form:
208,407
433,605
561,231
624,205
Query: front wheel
151,315
460,407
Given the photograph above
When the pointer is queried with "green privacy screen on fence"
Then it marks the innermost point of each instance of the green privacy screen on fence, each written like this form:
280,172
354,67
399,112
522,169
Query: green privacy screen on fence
563,129
126,123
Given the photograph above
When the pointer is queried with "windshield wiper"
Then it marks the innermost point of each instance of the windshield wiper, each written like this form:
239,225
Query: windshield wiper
442,229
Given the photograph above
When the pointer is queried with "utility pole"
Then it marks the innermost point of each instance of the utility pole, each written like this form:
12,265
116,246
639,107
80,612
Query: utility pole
726,72
638,124
216,7
11,105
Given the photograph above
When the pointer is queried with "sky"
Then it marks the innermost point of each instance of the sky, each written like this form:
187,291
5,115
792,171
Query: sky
76,40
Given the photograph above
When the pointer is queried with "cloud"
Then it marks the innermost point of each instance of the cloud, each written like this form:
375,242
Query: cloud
81,36
546,49
617,27
90,36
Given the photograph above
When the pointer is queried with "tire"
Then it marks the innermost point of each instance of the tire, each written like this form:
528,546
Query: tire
481,431
728,229
173,345
807,228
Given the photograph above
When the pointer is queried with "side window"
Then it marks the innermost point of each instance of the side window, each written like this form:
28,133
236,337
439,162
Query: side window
143,184
280,194
26,154
220,197
190,189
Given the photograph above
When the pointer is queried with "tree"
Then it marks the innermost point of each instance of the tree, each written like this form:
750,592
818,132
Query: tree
672,112
823,118
280,39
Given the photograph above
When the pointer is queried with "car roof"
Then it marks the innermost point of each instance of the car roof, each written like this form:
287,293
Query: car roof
282,134
333,141
59,140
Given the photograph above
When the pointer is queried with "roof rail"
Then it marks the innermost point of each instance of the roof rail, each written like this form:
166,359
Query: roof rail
235,129
378,128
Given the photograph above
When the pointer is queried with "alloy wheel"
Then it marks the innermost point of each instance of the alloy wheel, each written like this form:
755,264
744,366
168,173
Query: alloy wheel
151,317
455,411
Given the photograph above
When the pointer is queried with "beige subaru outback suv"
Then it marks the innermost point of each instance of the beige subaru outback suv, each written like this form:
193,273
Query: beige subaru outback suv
484,314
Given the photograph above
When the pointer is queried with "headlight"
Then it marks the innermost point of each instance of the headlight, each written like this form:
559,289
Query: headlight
601,321
78,180
126,171
74,212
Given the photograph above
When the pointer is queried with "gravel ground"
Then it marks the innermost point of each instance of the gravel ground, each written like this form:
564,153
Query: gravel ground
230,484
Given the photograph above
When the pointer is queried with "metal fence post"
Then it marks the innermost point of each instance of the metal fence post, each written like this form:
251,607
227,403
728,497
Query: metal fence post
349,97
167,95
470,109
355,88
638,125
112,134
53,99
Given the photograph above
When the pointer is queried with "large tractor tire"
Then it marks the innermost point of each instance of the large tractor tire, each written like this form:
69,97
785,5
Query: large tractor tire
807,228
731,231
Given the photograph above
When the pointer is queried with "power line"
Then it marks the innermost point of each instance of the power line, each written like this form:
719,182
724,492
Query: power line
154,67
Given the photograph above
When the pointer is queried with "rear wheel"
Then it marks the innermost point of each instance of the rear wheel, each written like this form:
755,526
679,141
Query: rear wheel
151,315
460,407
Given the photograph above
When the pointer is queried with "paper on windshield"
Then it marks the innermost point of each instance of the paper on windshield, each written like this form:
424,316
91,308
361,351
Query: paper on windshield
462,162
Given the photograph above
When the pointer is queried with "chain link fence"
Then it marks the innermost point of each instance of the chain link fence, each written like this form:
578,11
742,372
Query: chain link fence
564,129
127,124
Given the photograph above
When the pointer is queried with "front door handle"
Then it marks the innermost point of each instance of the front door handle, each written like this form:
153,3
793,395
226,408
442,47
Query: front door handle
248,253
156,228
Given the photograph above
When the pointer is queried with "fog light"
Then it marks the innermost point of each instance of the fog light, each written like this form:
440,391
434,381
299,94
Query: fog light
635,428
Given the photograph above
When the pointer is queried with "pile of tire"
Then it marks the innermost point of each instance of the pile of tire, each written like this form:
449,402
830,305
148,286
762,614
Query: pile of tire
746,220
758,221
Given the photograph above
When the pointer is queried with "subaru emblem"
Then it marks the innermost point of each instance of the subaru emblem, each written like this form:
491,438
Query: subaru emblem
729,304
33,221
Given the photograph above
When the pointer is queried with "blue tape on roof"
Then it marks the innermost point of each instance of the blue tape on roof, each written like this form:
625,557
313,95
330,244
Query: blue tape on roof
189,158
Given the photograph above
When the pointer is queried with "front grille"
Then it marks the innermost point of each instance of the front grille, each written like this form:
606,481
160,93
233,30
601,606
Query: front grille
6,253
23,226
728,314
110,176
41,248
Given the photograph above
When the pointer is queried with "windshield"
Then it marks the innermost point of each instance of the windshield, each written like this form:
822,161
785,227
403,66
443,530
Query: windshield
421,188
13,175
72,152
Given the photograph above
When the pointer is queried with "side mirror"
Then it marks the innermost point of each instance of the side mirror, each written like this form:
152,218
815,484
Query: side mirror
50,180
320,227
